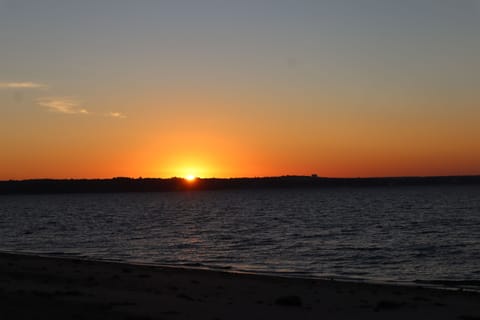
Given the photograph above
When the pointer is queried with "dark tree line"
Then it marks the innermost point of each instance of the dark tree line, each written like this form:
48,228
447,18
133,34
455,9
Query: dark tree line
40,186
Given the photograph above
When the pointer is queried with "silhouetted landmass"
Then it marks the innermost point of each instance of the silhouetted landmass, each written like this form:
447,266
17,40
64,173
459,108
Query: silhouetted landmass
41,186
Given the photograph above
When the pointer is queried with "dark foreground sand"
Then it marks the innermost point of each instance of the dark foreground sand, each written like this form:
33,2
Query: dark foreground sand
51,288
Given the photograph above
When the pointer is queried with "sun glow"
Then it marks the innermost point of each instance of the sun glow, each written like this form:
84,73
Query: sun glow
190,177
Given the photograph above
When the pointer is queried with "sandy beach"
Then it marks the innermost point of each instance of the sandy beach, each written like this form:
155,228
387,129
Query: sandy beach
34,287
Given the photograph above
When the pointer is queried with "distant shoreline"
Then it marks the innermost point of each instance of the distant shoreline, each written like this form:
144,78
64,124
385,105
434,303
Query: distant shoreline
121,184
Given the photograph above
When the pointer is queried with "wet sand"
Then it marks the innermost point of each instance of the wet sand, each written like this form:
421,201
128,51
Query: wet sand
34,287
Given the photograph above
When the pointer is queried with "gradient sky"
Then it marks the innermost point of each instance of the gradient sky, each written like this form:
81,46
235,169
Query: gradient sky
105,88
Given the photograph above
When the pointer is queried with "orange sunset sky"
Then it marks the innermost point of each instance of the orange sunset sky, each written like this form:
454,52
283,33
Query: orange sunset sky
99,89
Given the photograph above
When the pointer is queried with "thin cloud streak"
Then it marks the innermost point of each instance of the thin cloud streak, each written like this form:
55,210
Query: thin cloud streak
21,85
68,105
116,115
65,105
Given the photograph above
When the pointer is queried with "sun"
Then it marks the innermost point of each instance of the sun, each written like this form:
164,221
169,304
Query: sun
190,177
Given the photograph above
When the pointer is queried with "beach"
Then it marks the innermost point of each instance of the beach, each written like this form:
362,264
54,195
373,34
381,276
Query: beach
64,288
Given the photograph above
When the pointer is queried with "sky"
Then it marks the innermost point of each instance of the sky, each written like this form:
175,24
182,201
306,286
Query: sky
359,88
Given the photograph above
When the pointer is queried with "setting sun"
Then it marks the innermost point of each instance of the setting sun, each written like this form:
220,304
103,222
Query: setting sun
190,177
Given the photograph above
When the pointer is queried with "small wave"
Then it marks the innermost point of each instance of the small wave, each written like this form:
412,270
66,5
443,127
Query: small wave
452,283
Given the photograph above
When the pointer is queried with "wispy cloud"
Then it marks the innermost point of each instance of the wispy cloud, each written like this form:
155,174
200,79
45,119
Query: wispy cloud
62,105
59,104
69,105
116,115
21,85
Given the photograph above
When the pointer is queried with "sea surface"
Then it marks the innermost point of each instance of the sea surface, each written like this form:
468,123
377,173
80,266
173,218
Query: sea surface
400,234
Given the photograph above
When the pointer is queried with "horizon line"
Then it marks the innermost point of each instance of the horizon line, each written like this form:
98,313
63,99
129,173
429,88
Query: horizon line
254,177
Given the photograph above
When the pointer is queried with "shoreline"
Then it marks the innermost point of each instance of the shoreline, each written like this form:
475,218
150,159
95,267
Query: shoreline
64,287
438,284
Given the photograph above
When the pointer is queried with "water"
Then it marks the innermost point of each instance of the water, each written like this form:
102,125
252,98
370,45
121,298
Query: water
400,234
